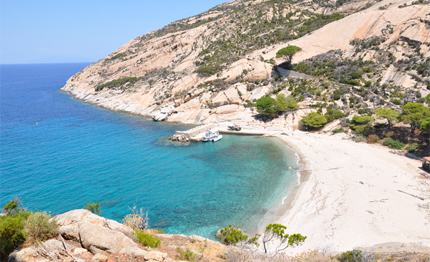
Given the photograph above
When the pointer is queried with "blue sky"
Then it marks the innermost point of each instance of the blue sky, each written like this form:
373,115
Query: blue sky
64,31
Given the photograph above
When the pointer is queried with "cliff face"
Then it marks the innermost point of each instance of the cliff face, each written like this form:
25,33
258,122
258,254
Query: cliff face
208,66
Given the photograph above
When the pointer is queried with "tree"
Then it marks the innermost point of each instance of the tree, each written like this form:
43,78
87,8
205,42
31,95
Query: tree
276,232
231,235
288,52
286,103
267,106
93,207
12,206
270,107
390,114
427,99
313,120
414,114
425,125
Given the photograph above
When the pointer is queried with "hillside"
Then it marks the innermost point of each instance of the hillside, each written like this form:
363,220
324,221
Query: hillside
212,66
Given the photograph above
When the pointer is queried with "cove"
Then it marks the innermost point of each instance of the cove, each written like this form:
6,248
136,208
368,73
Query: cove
58,154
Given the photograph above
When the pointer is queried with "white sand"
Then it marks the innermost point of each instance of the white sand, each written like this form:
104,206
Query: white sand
351,197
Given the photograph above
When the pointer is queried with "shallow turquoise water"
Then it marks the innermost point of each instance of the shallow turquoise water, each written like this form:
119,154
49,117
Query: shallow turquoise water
59,154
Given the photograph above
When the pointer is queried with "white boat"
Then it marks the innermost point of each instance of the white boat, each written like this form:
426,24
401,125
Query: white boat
211,137
162,115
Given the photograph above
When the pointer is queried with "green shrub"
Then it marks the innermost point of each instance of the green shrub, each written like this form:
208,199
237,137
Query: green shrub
186,254
364,130
12,206
339,130
351,256
267,106
336,114
38,227
412,147
393,144
117,83
93,207
372,139
147,239
313,120
12,234
231,235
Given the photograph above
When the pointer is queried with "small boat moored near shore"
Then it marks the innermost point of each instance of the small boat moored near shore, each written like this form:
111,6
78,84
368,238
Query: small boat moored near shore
211,137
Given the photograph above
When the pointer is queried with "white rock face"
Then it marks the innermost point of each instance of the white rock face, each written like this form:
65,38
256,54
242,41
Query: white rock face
98,238
68,222
94,232
171,57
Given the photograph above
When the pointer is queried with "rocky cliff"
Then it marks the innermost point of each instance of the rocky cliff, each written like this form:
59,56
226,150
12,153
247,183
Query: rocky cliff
212,66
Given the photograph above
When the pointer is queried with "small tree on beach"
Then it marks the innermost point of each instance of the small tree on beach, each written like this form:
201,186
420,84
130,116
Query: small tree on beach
414,114
390,114
313,120
276,233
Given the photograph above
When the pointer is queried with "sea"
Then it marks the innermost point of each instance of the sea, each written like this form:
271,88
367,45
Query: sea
58,154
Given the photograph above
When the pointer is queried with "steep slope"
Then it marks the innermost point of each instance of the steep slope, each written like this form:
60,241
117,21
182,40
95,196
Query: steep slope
210,66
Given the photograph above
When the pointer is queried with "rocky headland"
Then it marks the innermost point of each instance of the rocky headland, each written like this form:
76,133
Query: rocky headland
211,67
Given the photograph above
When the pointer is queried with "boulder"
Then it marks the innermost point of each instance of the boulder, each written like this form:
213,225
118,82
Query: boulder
98,238
68,223
227,109
79,251
53,245
26,254
155,256
134,252
99,258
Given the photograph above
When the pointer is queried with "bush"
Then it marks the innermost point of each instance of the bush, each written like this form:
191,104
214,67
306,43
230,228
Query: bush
38,227
412,147
313,120
117,83
137,220
364,130
339,130
372,139
186,254
12,206
146,239
231,235
12,234
93,207
393,144
351,256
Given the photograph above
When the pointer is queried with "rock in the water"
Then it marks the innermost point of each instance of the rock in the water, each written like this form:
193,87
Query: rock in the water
95,238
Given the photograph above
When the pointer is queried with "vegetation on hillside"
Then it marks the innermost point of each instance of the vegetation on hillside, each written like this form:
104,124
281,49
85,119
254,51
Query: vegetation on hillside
20,225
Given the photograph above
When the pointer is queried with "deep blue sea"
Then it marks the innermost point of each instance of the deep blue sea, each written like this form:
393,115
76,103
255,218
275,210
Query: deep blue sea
58,154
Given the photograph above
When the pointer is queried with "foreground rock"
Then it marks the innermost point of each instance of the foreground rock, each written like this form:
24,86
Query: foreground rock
94,232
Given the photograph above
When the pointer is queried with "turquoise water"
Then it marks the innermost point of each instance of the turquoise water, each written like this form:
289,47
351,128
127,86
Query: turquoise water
58,154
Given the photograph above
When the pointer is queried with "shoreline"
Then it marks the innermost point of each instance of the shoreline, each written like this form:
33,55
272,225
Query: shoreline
355,204
348,196
283,205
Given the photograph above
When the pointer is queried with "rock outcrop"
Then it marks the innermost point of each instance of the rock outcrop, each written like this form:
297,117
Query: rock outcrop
210,66
94,232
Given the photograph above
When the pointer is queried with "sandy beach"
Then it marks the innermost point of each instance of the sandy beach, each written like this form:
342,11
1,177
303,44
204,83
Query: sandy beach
349,196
